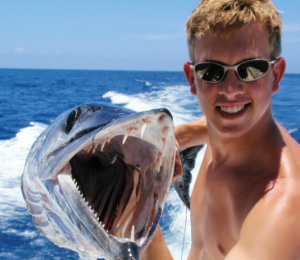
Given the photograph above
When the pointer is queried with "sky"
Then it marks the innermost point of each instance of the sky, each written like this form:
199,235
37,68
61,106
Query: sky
111,34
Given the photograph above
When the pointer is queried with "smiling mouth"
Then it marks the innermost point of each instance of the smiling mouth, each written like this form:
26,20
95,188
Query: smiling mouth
232,109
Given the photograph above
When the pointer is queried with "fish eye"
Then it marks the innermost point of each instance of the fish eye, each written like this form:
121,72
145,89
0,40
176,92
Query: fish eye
71,119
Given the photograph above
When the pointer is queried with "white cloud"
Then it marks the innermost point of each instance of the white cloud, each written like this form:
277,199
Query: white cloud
20,50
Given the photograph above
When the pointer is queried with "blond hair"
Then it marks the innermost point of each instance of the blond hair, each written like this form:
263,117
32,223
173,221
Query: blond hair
227,17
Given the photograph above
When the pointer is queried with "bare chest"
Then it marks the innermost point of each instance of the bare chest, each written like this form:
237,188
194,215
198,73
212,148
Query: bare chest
220,203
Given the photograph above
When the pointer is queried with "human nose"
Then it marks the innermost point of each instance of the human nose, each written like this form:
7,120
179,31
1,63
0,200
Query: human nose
231,85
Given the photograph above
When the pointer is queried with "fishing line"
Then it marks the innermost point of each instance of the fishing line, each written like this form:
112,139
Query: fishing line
184,232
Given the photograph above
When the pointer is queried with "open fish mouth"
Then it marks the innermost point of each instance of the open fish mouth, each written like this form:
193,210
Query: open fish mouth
121,176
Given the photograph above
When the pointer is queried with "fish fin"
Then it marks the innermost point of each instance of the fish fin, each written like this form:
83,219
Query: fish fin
182,184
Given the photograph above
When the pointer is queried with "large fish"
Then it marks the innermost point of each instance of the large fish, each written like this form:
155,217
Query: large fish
96,180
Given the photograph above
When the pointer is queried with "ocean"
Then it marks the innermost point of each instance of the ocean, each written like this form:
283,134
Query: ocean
31,99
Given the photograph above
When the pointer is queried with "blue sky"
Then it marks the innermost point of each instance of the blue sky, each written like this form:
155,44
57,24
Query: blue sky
111,34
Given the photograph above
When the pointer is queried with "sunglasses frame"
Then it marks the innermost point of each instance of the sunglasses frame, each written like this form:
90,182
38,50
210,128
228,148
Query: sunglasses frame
234,67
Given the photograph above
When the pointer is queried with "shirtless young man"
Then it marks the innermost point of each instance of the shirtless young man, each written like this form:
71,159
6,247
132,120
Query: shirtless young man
246,200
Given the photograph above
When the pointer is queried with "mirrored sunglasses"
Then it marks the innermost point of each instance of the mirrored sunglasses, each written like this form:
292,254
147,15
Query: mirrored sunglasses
246,71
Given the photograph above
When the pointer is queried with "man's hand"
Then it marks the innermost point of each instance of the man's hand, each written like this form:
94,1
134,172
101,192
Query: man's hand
157,249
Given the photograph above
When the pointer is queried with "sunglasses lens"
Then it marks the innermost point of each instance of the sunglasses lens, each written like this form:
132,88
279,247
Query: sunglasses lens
252,70
209,72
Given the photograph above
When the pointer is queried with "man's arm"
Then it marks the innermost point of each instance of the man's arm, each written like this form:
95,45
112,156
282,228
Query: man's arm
157,249
192,133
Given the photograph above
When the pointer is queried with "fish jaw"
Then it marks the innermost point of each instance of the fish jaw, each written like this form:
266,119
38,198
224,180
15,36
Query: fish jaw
137,153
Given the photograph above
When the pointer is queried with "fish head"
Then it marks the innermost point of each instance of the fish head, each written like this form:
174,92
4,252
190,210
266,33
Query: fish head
96,180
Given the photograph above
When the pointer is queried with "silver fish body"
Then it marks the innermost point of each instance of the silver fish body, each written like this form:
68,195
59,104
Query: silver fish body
96,180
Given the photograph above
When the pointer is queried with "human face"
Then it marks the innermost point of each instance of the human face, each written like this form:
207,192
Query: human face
233,107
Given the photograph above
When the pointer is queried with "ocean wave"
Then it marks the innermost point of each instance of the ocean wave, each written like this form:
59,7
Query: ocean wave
176,98
293,130
13,154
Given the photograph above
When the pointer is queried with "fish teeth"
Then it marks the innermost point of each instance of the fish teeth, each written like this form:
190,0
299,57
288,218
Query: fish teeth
132,233
159,162
143,128
125,138
113,160
156,167
102,146
128,133
143,240
89,149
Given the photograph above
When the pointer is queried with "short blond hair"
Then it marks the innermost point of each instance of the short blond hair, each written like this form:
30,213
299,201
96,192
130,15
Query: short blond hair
227,17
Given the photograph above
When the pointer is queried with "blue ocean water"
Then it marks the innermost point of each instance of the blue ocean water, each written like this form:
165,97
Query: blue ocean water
31,99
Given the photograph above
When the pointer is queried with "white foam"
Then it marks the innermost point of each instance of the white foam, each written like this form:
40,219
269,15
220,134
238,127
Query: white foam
293,130
175,98
13,153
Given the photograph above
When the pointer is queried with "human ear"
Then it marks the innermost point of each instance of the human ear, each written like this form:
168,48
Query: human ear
278,72
189,73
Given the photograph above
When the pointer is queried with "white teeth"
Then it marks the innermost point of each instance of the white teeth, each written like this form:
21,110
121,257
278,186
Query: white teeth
128,133
102,146
142,241
143,129
125,138
232,110
132,233
159,163
89,149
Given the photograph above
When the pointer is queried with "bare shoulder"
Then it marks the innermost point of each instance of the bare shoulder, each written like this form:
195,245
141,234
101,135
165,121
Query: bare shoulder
271,230
290,158
291,144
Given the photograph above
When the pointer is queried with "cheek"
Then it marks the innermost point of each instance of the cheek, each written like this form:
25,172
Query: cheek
206,94
262,94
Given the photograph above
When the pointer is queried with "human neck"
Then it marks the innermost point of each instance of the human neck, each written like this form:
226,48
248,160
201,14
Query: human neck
236,149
